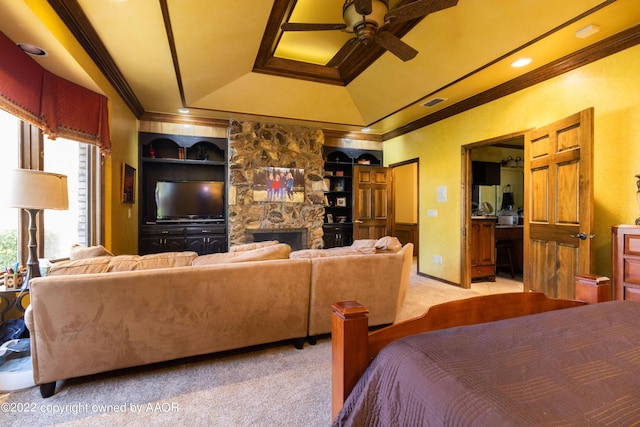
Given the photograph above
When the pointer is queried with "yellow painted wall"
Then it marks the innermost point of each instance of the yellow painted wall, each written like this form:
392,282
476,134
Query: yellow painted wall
120,220
610,85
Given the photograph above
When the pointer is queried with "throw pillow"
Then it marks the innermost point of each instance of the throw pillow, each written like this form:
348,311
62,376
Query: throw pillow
388,244
81,252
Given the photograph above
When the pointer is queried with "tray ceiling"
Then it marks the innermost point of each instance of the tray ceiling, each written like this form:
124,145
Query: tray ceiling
226,60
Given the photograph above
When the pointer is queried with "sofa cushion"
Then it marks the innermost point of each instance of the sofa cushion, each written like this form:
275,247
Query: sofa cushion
324,253
151,261
250,246
278,251
80,266
81,252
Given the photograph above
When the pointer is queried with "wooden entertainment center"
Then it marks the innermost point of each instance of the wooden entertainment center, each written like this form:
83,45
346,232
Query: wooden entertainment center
166,157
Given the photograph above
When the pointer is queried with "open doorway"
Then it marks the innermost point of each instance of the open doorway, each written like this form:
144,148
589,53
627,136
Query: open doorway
493,207
405,203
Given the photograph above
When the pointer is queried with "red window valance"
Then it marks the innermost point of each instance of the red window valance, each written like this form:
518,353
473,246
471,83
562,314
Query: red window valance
57,106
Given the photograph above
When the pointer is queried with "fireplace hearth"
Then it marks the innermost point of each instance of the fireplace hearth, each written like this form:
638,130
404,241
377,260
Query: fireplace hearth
297,238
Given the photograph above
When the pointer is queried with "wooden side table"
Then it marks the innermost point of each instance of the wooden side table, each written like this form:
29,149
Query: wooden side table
593,289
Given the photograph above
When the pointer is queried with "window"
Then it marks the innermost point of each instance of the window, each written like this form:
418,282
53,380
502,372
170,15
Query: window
64,228
80,223
9,144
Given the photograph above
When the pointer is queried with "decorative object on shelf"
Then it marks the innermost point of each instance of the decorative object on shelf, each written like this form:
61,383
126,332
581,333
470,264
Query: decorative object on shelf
638,196
327,184
128,183
341,202
338,185
339,173
152,152
13,280
509,162
330,218
202,153
341,219
272,184
33,191
364,161
519,162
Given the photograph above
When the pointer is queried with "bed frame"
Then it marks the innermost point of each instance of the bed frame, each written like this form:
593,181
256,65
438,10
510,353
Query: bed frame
353,347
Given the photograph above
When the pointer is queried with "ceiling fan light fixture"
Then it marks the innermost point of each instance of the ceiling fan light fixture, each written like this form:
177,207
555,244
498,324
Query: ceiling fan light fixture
354,20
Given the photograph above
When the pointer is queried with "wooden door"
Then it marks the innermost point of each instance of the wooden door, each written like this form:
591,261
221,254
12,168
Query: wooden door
559,217
372,216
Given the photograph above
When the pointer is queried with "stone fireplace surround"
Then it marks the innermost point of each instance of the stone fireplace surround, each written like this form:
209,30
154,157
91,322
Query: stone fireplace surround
255,144
297,238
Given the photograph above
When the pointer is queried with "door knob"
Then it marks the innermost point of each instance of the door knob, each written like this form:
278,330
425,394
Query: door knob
357,221
583,236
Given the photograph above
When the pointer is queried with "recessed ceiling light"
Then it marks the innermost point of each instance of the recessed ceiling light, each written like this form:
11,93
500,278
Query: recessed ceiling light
587,31
183,110
32,49
365,129
521,62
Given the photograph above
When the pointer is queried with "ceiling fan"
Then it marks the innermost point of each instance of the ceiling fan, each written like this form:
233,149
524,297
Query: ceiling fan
367,19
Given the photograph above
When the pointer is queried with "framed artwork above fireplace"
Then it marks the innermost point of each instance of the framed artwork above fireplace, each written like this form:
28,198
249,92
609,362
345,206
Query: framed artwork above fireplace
272,184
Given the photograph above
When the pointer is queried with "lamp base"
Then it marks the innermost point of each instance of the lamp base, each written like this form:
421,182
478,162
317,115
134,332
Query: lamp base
33,267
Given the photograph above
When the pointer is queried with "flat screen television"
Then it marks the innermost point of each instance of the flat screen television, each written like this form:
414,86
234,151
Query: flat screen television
189,200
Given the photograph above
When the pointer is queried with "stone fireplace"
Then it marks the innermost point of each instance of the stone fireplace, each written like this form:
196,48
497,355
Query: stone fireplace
253,145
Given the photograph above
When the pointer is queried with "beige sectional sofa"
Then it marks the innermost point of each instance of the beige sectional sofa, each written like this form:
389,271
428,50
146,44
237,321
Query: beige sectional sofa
104,313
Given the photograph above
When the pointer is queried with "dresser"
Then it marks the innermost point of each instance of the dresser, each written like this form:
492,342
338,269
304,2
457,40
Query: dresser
625,246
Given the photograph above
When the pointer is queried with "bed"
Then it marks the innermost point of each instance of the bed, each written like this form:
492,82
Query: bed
509,359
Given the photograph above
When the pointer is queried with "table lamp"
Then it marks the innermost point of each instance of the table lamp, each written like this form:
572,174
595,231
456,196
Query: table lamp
33,191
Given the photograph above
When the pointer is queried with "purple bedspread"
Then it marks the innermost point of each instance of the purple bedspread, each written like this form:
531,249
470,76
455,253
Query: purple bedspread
574,367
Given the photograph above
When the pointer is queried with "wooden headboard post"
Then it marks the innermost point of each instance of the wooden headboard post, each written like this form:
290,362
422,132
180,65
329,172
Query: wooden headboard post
349,328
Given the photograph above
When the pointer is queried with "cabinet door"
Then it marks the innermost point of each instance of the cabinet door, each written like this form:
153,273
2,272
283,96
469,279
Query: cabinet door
216,244
150,245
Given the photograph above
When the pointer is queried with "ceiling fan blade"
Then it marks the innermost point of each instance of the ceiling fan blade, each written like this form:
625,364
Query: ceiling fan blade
292,26
417,9
363,7
394,45
342,54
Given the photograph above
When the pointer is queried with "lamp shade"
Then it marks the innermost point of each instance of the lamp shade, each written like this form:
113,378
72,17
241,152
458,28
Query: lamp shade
33,189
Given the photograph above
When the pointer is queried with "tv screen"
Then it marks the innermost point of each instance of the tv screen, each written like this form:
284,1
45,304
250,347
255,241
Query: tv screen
189,200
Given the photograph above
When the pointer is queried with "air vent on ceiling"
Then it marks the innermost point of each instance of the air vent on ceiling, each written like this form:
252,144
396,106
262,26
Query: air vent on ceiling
433,101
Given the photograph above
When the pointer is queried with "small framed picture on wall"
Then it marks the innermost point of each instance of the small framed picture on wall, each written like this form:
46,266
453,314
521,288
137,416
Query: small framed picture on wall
341,202
128,183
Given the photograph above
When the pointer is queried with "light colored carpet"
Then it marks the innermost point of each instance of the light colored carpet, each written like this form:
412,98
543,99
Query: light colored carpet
273,385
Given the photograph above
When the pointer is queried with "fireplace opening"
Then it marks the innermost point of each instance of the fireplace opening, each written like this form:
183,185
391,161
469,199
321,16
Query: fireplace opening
294,237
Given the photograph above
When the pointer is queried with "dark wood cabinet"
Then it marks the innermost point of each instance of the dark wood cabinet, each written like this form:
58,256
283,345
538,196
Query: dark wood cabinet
483,249
166,157
338,181
177,238
625,246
